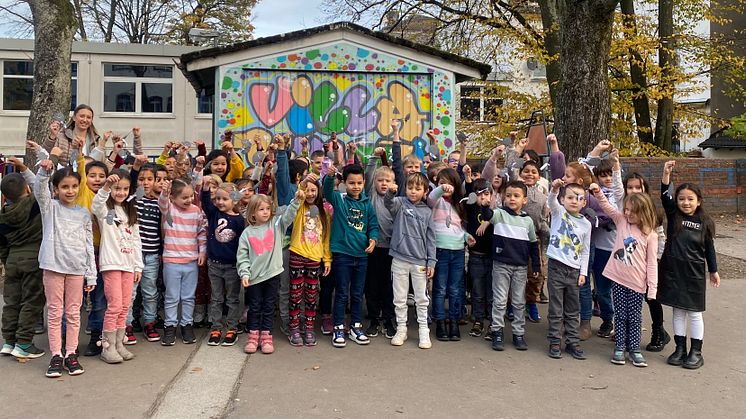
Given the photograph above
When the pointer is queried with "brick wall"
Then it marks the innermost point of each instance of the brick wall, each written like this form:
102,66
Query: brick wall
723,181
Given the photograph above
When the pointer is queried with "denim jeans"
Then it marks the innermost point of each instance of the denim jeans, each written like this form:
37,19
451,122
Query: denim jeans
181,284
262,299
586,294
98,305
603,284
226,288
480,269
349,275
148,289
562,284
509,281
449,280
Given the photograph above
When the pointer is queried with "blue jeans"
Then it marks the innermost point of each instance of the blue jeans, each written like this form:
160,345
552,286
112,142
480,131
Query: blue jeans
148,288
449,280
603,284
480,269
181,284
349,275
586,295
98,305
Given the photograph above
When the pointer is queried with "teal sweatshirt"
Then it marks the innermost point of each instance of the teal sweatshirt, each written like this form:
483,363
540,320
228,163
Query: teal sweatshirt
354,221
259,255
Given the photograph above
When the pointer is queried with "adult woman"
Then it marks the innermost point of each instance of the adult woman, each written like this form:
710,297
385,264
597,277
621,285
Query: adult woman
80,128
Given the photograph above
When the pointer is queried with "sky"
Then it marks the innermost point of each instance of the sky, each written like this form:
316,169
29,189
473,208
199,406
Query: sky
272,17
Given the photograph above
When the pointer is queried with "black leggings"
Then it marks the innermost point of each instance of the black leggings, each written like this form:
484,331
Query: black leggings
326,295
656,312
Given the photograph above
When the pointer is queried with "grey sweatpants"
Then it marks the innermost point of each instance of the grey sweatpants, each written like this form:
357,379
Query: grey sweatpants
564,302
226,287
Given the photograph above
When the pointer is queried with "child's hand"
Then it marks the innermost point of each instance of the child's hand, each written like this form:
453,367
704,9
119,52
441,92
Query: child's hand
371,246
614,156
138,276
467,171
47,165
227,146
201,260
20,167
429,272
304,142
136,131
668,167
206,183
521,145
447,188
300,195
715,279
118,145
199,142
245,281
311,177
112,180
56,151
557,184
199,161
379,151
498,151
394,188
395,125
470,240
602,146
33,146
594,188
139,161
581,280
552,139
482,228
352,147
89,288
166,187
327,269
513,135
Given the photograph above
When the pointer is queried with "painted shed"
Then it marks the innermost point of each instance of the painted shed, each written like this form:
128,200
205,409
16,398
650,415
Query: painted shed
340,78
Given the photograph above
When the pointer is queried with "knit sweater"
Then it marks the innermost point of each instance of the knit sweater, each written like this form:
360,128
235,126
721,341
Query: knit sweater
184,232
120,249
633,262
259,253
67,243
514,239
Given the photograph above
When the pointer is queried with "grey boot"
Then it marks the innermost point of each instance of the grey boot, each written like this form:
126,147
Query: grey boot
121,349
109,352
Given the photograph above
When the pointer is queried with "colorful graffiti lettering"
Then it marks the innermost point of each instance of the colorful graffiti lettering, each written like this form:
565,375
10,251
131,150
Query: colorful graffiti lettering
280,94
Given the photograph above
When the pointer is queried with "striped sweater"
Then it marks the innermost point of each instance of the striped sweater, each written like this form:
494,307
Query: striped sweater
184,232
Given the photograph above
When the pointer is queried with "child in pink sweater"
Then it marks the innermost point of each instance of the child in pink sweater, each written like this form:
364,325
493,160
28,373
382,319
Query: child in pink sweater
633,268
184,249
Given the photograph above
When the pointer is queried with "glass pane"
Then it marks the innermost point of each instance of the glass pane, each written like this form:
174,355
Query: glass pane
73,94
470,91
74,70
205,103
469,109
130,70
491,108
18,68
119,97
17,94
156,97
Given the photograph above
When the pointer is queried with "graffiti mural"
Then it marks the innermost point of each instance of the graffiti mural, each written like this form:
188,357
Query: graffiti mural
340,88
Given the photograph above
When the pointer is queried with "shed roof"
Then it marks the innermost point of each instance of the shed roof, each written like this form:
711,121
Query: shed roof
199,78
719,140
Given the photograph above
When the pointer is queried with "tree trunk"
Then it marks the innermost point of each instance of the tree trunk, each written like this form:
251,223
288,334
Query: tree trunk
583,108
667,61
550,12
640,99
54,28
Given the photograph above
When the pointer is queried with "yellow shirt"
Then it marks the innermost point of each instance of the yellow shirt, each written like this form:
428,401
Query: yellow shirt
309,239
85,199
237,168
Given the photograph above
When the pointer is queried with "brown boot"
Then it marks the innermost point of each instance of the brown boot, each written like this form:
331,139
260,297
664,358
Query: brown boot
109,352
123,352
585,329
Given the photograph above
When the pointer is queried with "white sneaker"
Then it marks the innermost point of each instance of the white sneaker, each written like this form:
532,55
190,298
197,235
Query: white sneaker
400,337
7,349
425,338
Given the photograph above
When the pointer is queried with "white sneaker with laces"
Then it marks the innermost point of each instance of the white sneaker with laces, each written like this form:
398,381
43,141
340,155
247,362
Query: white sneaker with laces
400,337
425,342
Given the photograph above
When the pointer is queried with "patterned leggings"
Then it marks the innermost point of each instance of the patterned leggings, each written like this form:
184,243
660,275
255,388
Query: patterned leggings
627,317
304,286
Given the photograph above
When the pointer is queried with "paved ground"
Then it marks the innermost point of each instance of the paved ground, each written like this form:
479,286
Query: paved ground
451,379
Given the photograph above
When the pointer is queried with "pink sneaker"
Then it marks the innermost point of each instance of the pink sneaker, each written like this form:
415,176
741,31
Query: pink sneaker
265,341
252,342
326,324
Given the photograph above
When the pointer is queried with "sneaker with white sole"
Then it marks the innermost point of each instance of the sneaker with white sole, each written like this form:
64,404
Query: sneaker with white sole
338,337
618,357
72,365
129,335
55,367
425,342
637,359
7,348
400,337
31,352
357,334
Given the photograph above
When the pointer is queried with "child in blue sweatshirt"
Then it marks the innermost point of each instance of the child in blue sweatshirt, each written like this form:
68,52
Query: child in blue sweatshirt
354,236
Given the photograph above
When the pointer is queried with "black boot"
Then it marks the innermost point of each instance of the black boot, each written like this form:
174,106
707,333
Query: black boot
658,340
94,345
454,333
694,360
440,330
678,355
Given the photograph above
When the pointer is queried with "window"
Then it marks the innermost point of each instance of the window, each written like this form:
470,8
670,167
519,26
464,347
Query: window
477,105
18,85
205,102
132,88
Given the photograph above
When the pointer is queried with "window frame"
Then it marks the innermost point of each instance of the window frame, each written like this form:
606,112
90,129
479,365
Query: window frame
138,82
26,112
482,98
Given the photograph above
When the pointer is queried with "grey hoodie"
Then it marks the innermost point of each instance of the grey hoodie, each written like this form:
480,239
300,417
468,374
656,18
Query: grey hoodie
413,237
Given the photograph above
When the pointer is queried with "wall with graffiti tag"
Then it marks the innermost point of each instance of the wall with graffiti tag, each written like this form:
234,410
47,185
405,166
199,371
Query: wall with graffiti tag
343,88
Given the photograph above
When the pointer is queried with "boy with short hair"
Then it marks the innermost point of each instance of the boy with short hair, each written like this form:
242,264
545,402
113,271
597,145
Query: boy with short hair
568,252
20,240
514,244
354,236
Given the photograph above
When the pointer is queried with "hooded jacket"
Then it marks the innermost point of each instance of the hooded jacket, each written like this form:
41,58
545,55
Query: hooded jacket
413,238
20,228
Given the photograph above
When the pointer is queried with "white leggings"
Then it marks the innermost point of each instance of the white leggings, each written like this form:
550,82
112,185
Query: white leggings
696,323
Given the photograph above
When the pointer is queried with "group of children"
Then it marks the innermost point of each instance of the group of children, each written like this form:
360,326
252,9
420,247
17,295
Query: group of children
322,233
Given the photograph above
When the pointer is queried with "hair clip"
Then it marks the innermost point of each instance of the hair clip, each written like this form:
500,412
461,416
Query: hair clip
313,212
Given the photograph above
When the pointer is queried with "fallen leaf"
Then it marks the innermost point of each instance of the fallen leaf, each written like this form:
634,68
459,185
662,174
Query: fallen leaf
315,367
